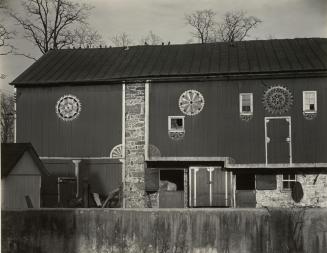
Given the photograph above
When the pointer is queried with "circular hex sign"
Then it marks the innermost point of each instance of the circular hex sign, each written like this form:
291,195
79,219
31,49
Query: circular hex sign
68,107
277,100
191,102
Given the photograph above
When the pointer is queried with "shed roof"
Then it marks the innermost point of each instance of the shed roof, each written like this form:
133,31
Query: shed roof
11,153
141,62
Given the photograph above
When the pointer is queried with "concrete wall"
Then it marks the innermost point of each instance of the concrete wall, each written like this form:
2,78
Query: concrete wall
171,230
314,189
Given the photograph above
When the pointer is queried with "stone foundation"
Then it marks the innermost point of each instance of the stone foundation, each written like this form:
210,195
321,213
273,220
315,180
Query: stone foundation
134,192
314,188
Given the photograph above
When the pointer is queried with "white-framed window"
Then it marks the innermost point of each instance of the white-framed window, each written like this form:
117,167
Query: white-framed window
246,103
288,181
310,101
176,124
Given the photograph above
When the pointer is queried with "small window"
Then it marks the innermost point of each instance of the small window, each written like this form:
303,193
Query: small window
246,103
288,181
176,123
309,101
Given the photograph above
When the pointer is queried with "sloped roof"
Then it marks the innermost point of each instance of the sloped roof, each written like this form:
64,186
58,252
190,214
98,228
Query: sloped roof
11,153
222,58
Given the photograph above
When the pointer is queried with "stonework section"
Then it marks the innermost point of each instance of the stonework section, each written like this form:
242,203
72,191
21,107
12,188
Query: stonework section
134,192
314,188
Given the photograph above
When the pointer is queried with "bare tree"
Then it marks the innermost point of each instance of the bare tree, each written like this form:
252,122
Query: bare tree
151,39
122,40
52,23
5,34
86,37
7,117
235,26
203,23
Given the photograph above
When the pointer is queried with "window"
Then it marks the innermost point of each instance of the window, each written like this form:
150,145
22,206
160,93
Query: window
288,181
310,101
176,123
246,103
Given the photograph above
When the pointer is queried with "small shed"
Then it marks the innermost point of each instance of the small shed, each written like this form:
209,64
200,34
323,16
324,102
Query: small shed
21,171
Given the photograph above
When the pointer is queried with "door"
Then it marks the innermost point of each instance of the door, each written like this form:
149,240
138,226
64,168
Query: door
209,186
278,140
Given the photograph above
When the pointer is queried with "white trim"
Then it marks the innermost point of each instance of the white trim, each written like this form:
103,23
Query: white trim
15,116
210,169
176,117
76,158
290,180
226,189
195,169
276,165
288,119
241,104
123,144
190,188
77,172
233,180
303,101
147,119
190,159
266,141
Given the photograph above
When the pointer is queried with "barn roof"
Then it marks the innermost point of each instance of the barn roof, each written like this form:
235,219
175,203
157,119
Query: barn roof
11,153
146,62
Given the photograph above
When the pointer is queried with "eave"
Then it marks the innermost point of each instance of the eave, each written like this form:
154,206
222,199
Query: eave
182,78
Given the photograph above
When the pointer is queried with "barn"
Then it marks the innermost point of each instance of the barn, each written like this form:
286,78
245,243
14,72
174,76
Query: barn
222,124
21,175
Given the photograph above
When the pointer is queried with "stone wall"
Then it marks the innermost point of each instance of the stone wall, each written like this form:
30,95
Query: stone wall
314,188
134,189
171,230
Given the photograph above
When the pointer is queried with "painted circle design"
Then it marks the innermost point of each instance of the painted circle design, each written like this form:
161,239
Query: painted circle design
68,107
277,100
191,102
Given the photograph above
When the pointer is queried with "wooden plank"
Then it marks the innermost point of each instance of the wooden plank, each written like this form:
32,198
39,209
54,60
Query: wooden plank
171,199
202,187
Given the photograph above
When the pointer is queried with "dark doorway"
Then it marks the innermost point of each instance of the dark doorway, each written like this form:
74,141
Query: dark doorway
171,193
245,190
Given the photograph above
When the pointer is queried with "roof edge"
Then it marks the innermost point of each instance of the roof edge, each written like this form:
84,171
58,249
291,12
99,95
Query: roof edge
180,78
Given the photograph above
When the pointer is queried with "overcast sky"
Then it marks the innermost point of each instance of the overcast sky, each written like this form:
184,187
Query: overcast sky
281,19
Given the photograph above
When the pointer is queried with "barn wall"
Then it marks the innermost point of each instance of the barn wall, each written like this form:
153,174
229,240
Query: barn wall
173,230
103,176
218,130
314,189
24,179
93,134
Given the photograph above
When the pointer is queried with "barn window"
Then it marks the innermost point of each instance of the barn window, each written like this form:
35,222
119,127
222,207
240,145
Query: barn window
246,103
176,124
288,181
310,101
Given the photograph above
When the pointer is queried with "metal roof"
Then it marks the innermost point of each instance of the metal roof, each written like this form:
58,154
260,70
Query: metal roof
141,62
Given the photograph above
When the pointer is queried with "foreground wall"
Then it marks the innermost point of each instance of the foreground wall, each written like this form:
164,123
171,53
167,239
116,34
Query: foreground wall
170,230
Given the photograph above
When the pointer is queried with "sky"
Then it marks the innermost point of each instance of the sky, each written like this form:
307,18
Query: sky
280,19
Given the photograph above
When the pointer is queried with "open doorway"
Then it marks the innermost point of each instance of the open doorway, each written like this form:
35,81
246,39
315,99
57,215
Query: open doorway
171,193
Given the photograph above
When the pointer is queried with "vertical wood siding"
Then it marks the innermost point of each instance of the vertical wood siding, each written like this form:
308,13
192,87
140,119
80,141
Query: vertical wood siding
93,134
14,188
218,130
